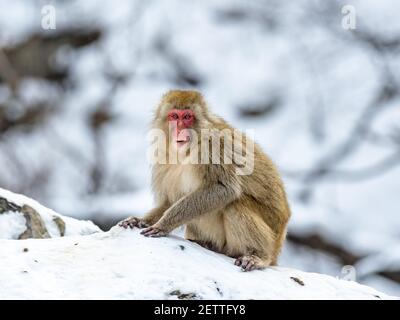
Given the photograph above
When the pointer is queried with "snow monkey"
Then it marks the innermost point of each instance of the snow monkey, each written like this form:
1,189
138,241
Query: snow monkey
243,216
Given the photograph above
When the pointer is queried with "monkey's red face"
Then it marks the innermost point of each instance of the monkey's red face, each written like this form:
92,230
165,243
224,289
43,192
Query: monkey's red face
181,121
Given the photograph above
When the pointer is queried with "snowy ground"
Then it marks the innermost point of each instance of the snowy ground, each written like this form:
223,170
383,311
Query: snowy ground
122,264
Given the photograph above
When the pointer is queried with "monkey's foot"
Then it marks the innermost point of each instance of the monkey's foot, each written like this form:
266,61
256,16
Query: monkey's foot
153,232
249,263
132,222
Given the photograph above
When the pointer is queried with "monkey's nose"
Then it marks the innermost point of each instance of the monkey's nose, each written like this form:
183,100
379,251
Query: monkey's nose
180,125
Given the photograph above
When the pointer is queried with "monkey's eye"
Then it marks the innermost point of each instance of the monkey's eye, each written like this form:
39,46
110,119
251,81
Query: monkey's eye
173,116
187,116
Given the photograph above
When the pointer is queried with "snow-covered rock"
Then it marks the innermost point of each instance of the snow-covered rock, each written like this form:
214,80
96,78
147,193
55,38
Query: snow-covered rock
22,218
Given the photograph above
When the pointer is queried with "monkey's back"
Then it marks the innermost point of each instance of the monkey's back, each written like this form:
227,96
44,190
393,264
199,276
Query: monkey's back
266,186
262,200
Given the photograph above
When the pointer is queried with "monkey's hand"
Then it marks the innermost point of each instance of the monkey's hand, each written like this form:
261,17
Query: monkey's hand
133,222
154,232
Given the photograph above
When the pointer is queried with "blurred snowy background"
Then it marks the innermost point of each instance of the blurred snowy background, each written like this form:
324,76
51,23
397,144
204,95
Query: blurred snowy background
324,101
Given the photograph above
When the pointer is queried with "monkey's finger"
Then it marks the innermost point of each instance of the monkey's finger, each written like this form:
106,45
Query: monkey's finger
158,234
245,262
149,231
250,266
238,262
155,235
132,224
123,224
142,225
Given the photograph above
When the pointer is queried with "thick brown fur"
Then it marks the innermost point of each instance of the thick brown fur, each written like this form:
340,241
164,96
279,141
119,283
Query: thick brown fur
242,216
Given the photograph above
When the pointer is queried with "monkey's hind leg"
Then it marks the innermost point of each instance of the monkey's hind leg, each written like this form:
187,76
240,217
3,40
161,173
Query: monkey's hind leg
248,238
192,234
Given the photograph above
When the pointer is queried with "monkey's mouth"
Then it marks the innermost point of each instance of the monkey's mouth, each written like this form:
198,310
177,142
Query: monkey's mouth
181,142
182,137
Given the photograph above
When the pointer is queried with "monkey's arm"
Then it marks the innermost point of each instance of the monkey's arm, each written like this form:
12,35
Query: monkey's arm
208,198
155,214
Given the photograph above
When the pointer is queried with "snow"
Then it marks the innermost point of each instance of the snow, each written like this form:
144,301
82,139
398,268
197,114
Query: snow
122,264
12,224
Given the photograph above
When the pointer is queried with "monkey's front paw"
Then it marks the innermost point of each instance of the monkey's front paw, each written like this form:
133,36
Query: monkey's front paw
154,232
249,263
132,222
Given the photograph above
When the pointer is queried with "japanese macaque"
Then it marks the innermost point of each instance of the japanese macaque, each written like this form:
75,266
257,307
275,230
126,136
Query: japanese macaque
241,214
